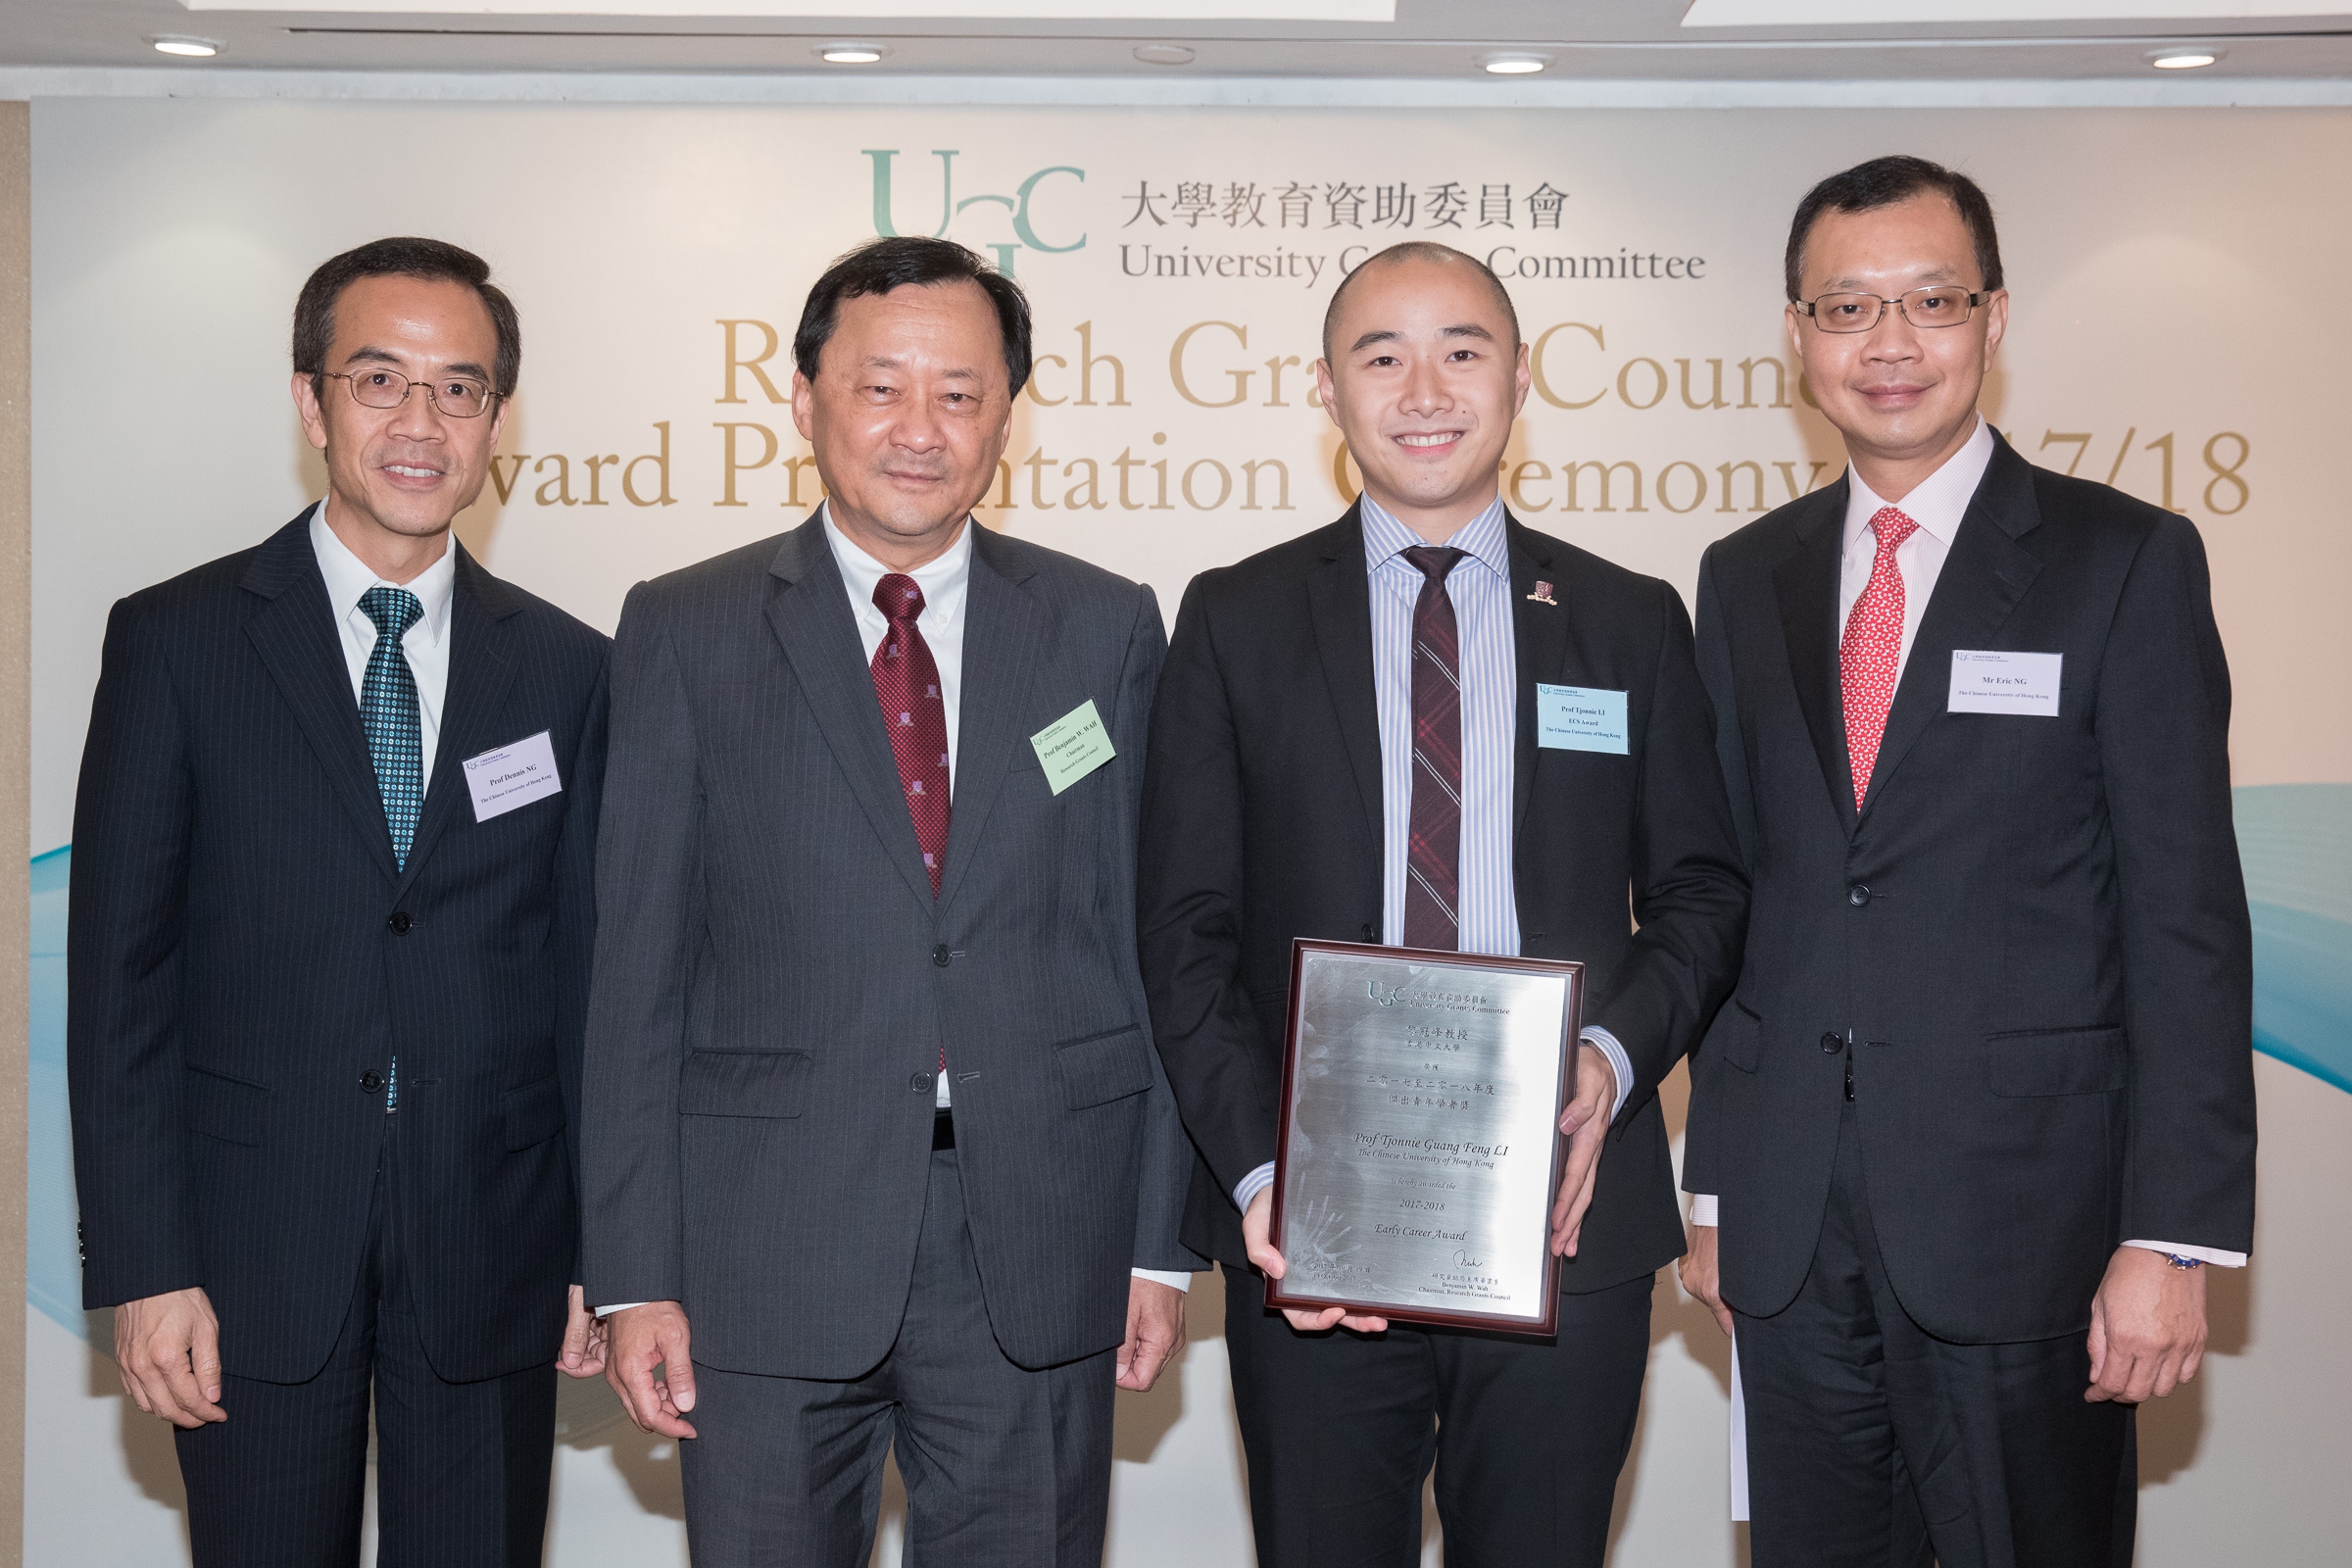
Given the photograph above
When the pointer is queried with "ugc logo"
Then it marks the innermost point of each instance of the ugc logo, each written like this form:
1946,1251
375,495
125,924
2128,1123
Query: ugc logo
950,209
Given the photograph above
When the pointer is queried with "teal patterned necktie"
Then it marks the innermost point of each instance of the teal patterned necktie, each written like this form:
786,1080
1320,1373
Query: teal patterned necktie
388,710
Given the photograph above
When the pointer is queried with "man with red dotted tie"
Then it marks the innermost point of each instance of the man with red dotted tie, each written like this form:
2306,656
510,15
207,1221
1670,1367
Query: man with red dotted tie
1981,1107
879,1155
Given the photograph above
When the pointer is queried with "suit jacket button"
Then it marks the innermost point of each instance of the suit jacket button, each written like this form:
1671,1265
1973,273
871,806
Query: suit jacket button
373,1081
1857,895
920,1083
941,955
1831,1044
399,922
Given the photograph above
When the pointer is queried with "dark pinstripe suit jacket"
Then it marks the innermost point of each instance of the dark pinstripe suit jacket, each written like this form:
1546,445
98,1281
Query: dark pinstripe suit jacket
774,981
242,949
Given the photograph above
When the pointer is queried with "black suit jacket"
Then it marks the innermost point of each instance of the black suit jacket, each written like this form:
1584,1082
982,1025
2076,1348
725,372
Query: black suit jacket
2035,930
241,951
1262,824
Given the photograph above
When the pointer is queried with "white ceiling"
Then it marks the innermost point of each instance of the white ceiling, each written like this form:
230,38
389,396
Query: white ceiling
1440,40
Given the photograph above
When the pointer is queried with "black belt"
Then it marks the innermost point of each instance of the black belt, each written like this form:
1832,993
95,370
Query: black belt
943,1131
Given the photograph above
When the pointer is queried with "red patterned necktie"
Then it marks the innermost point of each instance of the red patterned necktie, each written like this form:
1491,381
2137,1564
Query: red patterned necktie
1432,855
1872,652
906,685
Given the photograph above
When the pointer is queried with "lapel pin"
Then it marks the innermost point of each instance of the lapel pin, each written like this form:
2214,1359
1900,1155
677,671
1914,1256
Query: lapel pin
1542,595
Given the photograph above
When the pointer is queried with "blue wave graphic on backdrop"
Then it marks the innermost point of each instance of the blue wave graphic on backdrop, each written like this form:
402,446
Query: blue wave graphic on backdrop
2297,840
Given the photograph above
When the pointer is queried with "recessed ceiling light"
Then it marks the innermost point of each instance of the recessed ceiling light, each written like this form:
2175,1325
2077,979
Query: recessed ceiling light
172,43
2182,59
1163,54
851,54
1518,65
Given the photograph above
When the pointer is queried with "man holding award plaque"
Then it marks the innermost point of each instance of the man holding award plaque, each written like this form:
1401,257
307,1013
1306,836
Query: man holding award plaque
1406,775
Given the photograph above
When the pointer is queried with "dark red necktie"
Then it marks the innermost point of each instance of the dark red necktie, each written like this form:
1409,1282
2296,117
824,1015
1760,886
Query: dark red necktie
906,685
1433,857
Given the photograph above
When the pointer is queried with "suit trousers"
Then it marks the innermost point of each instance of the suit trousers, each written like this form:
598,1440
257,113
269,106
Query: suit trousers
1871,1444
462,1468
1526,1435
1004,1466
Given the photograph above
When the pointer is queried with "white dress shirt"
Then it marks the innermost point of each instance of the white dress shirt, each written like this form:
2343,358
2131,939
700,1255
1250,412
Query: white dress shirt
426,645
1480,588
1937,505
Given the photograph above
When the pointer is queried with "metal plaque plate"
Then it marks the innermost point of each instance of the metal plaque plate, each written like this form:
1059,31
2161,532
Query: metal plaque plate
1420,1151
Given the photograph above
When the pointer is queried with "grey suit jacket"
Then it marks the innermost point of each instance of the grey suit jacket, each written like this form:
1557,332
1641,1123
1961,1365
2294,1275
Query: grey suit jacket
774,981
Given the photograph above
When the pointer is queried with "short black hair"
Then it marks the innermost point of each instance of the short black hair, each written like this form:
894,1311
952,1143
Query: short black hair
1418,250
883,265
404,256
1882,183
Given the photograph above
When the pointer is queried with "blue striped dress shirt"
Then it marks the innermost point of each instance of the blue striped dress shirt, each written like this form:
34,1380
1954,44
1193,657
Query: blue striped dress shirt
1479,586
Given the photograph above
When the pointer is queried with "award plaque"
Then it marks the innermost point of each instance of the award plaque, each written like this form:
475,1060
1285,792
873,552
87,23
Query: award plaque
1420,1148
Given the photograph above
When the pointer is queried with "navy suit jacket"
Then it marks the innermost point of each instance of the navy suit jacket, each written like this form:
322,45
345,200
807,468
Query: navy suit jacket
2034,932
244,957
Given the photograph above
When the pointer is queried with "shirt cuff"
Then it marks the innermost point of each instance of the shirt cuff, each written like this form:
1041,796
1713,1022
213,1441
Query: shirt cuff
616,1307
1703,1208
1620,1064
1173,1280
2203,1254
1257,1182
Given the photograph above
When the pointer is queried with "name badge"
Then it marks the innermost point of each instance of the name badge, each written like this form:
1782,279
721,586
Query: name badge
1580,718
510,776
1073,746
1986,682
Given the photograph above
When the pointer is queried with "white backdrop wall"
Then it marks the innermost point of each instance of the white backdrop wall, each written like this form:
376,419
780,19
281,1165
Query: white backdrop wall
2175,333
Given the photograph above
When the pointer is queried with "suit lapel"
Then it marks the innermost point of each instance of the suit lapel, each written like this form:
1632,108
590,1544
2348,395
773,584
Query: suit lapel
481,666
1984,574
1004,631
1540,634
1807,583
809,614
293,631
1339,604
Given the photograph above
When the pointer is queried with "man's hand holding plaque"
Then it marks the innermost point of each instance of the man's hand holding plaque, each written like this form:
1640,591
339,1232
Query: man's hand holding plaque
1258,1224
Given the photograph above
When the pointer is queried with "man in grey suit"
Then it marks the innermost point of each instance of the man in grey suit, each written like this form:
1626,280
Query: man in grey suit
871,1097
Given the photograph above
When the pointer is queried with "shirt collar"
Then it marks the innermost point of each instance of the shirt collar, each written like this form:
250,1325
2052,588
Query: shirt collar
1483,538
862,573
1940,500
348,577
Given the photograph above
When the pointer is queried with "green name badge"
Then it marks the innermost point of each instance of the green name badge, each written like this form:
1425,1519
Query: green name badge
1073,746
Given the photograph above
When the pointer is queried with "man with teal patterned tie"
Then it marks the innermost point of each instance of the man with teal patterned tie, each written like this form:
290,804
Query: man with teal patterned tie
328,967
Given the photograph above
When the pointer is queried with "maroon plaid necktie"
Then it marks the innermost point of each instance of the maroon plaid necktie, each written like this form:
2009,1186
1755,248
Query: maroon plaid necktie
906,684
1433,859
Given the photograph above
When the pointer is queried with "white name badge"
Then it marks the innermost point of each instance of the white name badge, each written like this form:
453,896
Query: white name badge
1986,682
509,776
1580,718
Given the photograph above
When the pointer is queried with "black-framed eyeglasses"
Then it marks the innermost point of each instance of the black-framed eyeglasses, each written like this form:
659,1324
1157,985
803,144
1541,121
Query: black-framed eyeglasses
457,396
1921,307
